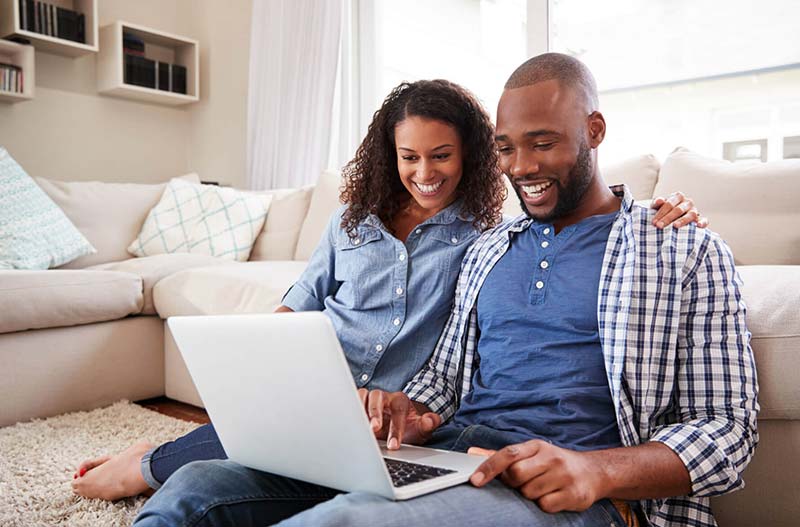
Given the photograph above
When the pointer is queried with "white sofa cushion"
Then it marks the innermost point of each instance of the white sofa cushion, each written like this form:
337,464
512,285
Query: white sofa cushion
202,219
250,287
46,299
278,238
34,232
324,202
772,295
151,269
110,215
639,173
753,206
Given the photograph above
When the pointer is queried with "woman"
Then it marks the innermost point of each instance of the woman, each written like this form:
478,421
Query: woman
423,184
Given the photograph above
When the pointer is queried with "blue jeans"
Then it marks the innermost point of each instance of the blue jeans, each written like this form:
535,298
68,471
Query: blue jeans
226,493
198,445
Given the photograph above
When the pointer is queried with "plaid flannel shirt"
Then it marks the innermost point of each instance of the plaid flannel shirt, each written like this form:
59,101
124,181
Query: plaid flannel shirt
677,353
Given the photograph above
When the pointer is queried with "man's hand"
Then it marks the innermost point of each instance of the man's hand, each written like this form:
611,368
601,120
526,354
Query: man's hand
398,419
556,478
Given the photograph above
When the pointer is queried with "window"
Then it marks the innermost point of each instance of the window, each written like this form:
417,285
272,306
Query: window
755,150
791,147
475,43
691,73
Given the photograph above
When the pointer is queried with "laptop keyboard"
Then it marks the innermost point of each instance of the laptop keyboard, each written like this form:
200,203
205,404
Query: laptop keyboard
405,473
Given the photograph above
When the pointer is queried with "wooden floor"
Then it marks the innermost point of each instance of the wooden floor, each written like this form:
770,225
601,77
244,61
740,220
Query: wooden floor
166,406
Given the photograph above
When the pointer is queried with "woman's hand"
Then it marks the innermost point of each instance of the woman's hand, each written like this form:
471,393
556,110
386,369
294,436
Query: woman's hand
679,209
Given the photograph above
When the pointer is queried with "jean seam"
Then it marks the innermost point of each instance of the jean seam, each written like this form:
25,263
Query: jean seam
199,515
181,450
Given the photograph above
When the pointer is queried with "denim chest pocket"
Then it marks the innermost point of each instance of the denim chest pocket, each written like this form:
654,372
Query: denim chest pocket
449,248
357,260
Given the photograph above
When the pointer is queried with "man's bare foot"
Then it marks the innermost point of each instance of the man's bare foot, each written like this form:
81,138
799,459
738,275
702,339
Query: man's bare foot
113,478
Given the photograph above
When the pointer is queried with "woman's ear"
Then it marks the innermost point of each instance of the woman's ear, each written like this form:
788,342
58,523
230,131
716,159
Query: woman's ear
597,129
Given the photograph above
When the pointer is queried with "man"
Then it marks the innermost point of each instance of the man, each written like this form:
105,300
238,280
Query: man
602,363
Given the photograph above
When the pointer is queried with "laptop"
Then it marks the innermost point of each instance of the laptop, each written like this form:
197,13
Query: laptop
282,399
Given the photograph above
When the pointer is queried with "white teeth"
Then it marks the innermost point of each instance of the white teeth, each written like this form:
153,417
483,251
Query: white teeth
536,190
428,189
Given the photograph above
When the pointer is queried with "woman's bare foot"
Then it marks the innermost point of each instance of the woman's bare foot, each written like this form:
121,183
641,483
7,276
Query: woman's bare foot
113,478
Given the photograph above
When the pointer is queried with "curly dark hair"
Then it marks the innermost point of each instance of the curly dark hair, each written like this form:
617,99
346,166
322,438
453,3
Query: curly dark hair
372,182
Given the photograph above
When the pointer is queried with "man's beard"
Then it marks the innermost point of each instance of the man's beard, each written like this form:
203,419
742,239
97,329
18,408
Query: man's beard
570,195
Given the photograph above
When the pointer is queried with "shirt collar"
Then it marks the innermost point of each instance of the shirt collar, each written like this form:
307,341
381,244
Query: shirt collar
445,216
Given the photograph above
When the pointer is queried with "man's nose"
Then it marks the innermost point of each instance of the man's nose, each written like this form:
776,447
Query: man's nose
523,163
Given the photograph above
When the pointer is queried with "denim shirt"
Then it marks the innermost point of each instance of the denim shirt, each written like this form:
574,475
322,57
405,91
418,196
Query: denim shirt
388,300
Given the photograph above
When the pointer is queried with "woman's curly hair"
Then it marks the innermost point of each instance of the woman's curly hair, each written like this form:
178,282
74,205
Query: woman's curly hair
372,182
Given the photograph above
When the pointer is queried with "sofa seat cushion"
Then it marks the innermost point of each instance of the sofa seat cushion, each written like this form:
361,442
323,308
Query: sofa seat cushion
772,295
250,287
46,299
151,269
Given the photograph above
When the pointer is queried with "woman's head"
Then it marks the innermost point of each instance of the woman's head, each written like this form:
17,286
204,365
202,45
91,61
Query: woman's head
430,141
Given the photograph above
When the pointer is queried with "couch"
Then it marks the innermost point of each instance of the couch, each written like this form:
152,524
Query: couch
93,332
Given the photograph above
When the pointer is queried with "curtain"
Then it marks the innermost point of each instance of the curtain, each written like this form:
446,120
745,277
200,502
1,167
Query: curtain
294,50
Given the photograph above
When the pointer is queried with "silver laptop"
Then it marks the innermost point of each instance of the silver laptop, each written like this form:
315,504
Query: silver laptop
282,399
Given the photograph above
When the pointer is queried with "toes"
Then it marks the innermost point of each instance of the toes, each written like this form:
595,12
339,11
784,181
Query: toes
89,464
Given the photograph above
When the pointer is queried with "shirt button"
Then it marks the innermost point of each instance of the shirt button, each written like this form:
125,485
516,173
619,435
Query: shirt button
539,284
396,322
402,257
356,241
399,291
544,264
547,230
378,348
545,244
454,239
364,376
418,231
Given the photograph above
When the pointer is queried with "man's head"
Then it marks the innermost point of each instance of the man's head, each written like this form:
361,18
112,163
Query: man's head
548,127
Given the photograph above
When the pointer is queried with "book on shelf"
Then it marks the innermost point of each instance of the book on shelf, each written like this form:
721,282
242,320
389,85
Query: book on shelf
132,45
139,71
178,79
52,20
11,78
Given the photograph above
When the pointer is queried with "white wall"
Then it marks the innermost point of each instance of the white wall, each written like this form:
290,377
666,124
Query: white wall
70,132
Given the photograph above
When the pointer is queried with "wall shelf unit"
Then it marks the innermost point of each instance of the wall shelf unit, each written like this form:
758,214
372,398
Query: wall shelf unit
158,46
22,56
13,20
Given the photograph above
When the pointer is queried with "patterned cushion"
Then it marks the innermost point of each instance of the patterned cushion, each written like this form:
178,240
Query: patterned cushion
34,232
202,219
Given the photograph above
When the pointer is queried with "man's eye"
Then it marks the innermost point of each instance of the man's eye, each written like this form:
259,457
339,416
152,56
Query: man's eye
504,150
543,146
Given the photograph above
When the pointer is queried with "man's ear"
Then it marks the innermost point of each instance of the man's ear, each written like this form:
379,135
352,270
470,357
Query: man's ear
597,129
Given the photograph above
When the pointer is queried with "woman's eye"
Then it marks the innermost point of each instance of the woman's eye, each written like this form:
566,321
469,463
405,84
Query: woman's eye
409,158
441,156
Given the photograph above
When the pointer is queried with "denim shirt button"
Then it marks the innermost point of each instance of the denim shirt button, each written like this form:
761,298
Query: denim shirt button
379,347
399,291
454,239
418,231
396,322
356,241
402,257
364,377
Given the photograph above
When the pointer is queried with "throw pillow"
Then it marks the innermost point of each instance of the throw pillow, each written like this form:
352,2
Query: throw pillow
34,232
202,219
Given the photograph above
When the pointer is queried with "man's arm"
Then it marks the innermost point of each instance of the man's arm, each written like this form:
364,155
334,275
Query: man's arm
715,390
564,480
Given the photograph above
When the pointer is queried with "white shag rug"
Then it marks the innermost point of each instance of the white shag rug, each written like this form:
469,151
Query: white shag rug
38,459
